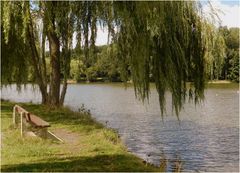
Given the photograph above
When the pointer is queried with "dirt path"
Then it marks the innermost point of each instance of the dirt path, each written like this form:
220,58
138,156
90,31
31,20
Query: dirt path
71,140
67,136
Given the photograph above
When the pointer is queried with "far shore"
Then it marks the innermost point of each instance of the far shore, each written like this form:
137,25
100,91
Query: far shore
71,81
220,81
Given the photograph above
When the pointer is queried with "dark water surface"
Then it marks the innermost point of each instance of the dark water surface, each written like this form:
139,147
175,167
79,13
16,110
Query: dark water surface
206,138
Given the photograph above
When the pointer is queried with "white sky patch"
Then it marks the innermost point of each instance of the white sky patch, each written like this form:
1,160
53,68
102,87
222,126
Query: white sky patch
229,14
101,39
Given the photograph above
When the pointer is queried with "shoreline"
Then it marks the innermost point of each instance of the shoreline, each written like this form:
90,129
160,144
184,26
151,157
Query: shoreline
70,81
220,82
101,146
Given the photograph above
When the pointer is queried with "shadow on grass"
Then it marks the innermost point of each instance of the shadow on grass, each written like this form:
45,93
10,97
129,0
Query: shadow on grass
73,164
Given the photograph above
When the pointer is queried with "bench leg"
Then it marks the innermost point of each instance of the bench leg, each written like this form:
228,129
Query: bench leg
21,115
43,132
14,117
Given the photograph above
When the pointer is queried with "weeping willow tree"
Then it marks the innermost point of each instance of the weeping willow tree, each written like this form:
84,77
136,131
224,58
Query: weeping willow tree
161,39
34,23
27,25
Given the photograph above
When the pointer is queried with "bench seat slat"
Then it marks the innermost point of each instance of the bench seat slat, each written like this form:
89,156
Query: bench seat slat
36,121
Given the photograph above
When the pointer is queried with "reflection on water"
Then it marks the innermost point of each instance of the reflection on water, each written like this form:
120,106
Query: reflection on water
206,138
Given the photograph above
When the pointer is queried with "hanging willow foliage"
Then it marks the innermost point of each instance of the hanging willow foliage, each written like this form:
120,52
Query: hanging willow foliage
160,40
14,51
163,39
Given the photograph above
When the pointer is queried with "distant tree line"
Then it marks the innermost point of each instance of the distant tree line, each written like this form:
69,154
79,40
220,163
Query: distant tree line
223,63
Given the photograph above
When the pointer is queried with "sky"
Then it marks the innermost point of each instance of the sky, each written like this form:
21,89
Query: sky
227,2
228,12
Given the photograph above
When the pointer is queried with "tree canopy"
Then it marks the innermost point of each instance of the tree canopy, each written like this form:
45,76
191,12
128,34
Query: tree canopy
162,40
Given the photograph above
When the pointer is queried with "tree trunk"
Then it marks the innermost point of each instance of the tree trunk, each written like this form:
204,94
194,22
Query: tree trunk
44,66
44,94
35,60
55,68
63,93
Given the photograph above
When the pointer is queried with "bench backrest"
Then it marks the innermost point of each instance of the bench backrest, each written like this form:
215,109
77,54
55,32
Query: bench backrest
19,109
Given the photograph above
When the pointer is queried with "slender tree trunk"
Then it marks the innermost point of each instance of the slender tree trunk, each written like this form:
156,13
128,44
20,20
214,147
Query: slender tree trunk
45,99
63,93
55,68
44,67
64,88
66,63
66,55
35,60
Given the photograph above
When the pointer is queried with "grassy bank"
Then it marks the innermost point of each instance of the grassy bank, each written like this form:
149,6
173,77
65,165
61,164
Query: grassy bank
94,147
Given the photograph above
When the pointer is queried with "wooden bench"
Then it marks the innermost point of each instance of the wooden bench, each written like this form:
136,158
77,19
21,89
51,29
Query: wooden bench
40,126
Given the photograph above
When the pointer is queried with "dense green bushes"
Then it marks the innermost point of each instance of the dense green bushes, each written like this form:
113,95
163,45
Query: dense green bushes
103,66
231,64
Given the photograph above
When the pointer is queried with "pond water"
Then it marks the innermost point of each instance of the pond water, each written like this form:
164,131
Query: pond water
206,138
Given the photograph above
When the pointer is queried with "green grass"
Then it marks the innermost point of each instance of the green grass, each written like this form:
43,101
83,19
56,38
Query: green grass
98,148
